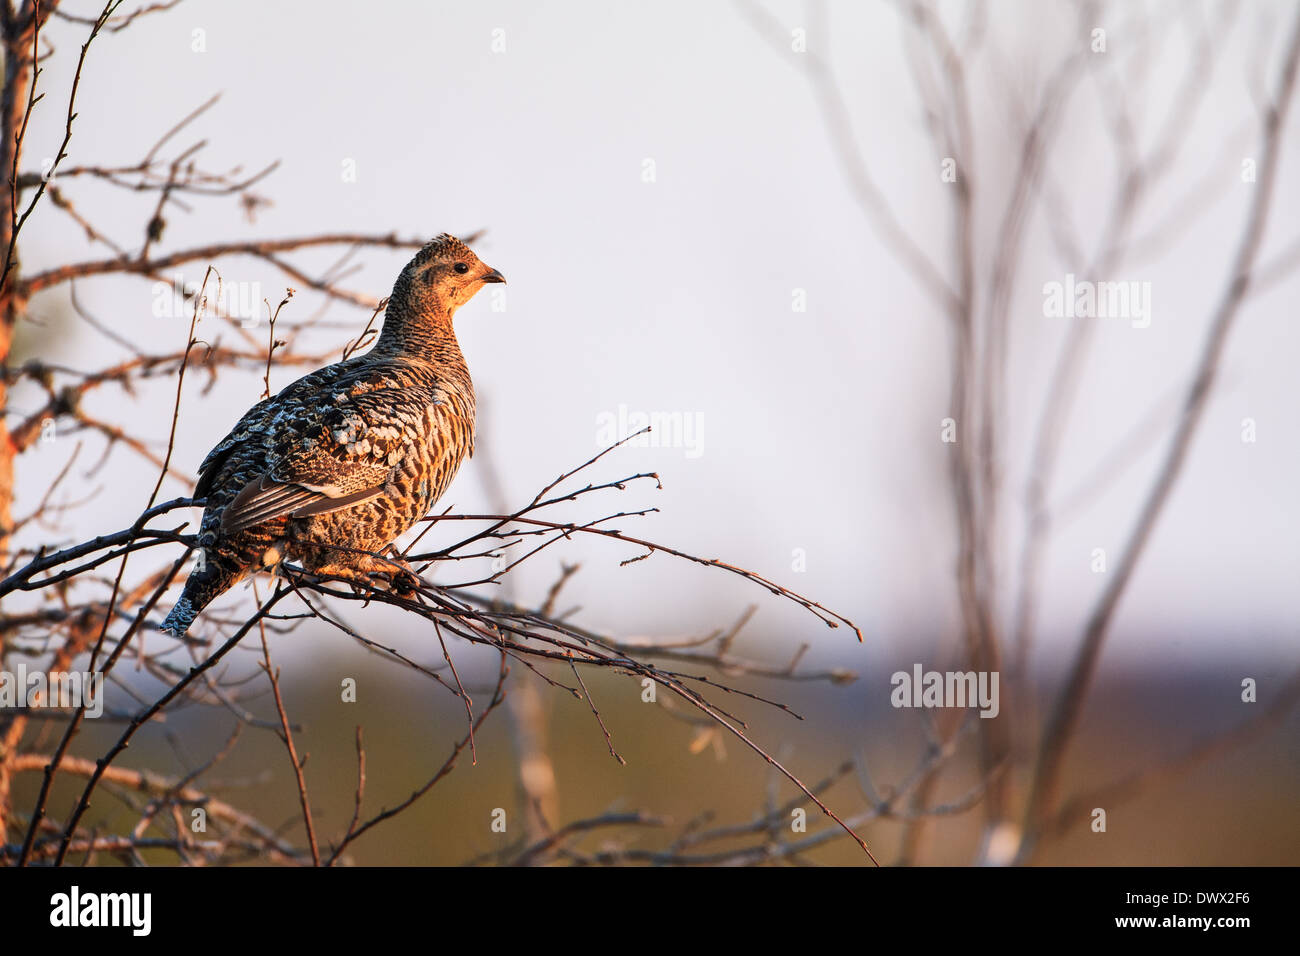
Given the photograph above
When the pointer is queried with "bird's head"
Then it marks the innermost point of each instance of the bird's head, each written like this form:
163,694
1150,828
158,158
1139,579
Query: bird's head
443,276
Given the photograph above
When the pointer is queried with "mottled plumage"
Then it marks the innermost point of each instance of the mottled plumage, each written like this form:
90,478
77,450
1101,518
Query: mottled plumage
336,466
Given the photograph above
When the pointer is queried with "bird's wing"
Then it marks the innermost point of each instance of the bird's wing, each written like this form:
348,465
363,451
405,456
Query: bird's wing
330,451
257,423
264,499
252,423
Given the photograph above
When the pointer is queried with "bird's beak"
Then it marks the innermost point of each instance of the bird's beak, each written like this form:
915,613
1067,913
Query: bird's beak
493,276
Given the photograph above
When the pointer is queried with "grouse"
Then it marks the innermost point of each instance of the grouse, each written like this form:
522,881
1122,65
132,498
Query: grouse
333,468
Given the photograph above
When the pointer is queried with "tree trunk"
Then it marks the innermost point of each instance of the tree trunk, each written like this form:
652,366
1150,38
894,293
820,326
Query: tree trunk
13,104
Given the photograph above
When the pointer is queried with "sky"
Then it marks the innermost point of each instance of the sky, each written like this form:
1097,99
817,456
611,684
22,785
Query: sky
659,187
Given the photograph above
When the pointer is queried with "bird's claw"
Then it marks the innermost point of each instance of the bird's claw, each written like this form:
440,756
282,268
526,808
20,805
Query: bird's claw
405,583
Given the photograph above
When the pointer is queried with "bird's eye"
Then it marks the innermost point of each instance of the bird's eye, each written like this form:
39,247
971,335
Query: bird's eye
462,268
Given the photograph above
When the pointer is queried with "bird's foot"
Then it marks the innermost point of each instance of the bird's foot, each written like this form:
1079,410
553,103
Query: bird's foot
394,576
402,579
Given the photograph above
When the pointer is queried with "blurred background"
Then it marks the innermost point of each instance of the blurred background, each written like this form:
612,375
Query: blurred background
687,202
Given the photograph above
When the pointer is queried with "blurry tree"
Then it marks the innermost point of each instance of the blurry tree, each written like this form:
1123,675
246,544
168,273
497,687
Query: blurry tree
970,284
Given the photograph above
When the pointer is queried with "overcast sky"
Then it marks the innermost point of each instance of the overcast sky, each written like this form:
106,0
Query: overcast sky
816,430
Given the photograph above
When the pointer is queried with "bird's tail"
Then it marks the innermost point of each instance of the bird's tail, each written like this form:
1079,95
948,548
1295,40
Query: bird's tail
204,586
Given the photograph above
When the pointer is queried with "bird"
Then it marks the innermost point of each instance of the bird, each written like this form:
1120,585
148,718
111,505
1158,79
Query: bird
333,468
